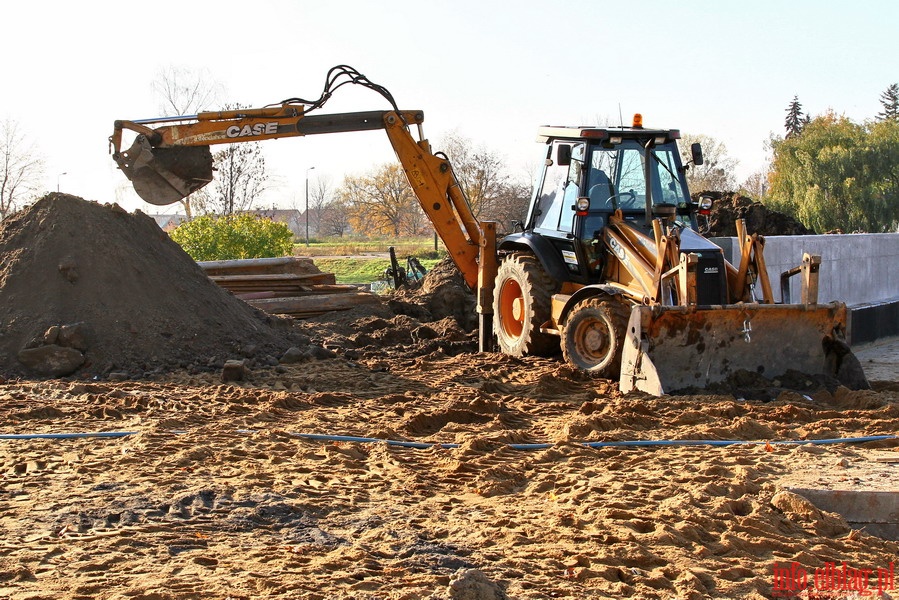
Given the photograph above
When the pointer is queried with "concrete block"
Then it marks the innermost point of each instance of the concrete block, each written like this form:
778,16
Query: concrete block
875,511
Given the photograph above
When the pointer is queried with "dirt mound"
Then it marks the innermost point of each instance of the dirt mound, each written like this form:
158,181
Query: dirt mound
435,319
90,289
443,293
727,207
379,336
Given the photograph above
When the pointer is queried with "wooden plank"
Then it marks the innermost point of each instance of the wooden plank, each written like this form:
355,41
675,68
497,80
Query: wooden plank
251,263
283,264
302,291
331,289
317,303
287,285
261,281
257,295
265,277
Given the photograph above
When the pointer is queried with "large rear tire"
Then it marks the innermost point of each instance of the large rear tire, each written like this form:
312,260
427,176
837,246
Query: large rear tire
521,304
593,335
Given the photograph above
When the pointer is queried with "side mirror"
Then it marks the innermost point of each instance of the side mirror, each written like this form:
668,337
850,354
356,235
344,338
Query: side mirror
696,152
563,155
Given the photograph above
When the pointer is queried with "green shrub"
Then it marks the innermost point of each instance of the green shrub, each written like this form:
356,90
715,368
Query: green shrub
234,236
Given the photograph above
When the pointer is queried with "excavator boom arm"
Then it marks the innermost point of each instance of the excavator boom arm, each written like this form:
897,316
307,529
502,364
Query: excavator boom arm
168,162
252,125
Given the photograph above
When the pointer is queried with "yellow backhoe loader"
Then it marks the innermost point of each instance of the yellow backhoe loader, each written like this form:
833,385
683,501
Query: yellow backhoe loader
608,265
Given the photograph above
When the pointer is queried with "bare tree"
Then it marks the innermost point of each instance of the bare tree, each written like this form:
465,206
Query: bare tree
241,178
717,172
183,91
21,168
335,218
486,182
198,203
320,197
756,185
511,204
481,172
383,202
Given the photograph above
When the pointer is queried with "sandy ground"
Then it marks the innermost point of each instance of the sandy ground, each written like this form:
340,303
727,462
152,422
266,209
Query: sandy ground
215,496
880,359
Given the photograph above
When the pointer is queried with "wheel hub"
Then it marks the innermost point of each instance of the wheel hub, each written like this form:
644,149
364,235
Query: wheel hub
592,339
518,309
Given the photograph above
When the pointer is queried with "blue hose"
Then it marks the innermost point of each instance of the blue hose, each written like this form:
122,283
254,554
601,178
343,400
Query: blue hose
65,436
628,443
425,445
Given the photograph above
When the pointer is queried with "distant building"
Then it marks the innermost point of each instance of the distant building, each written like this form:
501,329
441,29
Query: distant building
289,216
168,222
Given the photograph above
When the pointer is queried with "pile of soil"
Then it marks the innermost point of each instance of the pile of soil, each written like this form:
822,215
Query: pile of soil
434,319
89,289
727,207
381,334
443,293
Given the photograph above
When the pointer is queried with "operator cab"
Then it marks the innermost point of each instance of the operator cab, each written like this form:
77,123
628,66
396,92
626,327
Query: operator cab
613,168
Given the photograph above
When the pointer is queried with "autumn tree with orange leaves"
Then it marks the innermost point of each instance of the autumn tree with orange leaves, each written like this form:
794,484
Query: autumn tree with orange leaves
382,203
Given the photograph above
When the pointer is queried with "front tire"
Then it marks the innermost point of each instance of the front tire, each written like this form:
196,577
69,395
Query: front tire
521,304
593,335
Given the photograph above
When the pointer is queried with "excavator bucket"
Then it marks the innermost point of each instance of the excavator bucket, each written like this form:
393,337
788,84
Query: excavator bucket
672,348
165,175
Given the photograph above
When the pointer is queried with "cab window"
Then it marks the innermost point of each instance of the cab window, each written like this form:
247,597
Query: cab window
670,178
550,198
572,187
631,177
561,187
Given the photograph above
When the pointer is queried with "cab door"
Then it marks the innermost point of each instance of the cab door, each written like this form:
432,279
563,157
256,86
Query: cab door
554,214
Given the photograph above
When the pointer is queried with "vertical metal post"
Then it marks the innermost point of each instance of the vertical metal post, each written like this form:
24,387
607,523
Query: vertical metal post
394,268
811,264
487,268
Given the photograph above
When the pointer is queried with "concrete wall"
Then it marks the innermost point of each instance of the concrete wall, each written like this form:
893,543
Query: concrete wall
860,269
869,322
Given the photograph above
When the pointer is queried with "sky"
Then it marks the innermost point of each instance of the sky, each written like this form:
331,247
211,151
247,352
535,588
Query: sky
490,71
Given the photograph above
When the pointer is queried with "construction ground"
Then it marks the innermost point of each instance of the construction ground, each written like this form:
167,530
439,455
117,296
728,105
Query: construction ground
144,475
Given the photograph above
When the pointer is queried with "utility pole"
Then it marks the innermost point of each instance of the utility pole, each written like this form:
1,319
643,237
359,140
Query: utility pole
57,181
307,205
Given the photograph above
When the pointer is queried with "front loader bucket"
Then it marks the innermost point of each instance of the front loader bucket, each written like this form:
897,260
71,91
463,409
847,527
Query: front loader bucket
165,175
671,348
